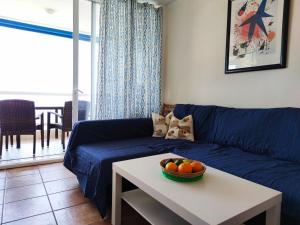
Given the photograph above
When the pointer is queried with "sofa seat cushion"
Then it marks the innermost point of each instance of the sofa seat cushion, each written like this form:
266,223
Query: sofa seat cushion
280,175
92,163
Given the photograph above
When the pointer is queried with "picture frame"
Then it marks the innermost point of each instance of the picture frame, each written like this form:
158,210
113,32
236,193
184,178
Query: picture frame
257,35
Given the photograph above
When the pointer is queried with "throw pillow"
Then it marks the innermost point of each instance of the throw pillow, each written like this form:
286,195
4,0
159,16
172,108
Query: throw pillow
181,129
161,124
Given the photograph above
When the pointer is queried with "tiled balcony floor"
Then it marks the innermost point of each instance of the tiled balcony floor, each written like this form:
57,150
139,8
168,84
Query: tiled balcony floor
25,152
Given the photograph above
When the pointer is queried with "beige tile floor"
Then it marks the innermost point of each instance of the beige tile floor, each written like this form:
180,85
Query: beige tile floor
25,152
49,195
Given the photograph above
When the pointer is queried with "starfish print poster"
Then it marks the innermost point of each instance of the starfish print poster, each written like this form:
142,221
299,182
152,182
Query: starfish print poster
256,35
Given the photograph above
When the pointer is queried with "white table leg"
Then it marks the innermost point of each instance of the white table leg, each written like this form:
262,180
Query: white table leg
116,199
273,215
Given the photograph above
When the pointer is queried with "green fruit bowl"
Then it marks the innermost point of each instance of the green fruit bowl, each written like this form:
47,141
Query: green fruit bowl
180,177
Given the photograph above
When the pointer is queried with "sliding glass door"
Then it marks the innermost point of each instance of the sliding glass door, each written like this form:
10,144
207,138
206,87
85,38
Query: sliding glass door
36,65
41,63
94,54
82,63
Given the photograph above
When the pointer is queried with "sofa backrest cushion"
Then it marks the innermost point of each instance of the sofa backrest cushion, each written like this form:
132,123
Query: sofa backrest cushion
202,117
275,132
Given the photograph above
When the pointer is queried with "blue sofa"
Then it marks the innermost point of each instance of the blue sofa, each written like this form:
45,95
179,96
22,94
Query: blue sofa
261,145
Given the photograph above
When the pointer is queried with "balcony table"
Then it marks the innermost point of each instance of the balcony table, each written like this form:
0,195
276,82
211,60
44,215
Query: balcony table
56,109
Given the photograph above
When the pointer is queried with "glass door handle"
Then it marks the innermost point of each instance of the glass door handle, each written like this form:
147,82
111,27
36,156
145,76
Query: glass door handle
78,91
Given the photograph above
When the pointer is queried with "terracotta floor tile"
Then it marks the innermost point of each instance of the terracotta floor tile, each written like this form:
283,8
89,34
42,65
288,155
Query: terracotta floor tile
20,193
1,207
22,171
2,174
1,196
84,214
61,185
26,202
56,175
23,180
25,208
44,219
51,167
66,199
2,184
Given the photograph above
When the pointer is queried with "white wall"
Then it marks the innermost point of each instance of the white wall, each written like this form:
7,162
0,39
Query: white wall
194,58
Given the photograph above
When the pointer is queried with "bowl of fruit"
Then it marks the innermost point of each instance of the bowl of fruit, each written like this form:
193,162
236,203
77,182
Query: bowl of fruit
182,170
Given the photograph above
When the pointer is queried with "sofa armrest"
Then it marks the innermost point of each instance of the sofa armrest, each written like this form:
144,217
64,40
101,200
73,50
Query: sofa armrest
106,130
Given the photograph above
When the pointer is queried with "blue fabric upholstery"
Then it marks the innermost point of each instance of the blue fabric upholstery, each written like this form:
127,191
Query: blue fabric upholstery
84,165
203,118
261,145
275,132
104,130
92,163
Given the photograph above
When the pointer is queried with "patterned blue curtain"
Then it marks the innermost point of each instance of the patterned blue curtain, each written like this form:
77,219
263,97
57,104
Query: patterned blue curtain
129,63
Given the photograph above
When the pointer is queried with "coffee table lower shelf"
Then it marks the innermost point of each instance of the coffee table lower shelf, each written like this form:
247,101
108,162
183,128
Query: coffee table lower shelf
153,211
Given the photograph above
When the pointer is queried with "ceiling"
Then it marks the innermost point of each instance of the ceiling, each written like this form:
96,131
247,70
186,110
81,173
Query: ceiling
59,15
54,13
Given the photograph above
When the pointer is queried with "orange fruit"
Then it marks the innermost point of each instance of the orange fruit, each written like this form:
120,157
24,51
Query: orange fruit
171,167
197,166
185,168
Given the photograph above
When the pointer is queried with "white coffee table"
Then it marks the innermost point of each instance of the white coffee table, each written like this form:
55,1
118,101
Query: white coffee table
219,198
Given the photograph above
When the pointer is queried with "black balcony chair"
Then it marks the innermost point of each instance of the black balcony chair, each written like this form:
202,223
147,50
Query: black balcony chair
7,138
66,119
17,117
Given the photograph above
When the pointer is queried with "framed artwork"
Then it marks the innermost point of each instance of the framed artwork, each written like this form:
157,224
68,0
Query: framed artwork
257,32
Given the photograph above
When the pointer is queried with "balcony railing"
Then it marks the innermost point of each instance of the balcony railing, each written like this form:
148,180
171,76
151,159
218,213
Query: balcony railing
41,98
